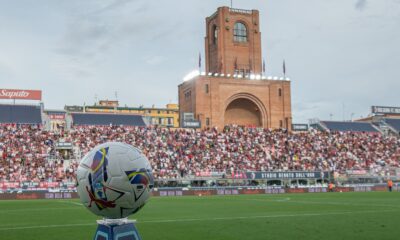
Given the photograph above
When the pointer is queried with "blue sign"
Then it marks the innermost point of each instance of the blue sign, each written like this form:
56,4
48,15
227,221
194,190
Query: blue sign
287,175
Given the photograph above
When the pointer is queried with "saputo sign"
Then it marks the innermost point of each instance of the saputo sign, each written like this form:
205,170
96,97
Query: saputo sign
20,94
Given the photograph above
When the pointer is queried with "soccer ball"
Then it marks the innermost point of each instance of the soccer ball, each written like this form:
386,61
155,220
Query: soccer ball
114,180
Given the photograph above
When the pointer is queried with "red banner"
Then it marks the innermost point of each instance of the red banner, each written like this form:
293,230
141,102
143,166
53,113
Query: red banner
49,184
20,94
9,184
57,116
296,190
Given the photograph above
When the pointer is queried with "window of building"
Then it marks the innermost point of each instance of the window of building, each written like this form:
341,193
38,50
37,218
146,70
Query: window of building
240,32
207,121
160,121
158,111
188,95
206,88
280,123
215,34
280,92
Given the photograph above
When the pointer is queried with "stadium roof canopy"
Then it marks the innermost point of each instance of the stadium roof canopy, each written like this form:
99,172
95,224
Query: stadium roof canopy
348,126
20,114
107,119
394,123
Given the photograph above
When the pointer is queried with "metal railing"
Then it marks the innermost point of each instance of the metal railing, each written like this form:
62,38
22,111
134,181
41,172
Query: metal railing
243,11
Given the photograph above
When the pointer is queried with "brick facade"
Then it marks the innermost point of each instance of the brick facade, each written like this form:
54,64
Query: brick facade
217,101
223,54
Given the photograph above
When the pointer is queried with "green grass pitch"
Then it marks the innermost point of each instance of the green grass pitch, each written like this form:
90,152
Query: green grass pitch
374,215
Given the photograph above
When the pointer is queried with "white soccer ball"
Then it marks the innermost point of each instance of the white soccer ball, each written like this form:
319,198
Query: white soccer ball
114,180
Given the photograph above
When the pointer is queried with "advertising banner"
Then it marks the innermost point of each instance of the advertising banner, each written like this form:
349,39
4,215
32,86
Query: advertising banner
287,175
316,190
191,124
385,110
9,184
49,184
274,190
20,94
57,116
357,172
300,127
29,184
210,174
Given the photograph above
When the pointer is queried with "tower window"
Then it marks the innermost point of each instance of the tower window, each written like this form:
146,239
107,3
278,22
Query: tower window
280,92
206,88
215,34
240,32
188,95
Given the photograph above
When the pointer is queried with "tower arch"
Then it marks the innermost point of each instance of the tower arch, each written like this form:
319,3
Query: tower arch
245,109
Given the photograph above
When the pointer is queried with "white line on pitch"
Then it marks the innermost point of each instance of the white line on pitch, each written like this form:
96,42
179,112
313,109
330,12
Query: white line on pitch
324,202
203,219
48,226
37,209
70,202
262,216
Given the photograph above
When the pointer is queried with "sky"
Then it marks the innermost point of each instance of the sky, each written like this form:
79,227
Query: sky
342,56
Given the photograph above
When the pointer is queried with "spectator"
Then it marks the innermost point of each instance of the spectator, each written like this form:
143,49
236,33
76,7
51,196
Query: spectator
25,150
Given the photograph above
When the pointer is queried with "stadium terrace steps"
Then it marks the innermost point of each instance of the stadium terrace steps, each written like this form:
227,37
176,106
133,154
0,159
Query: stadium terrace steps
20,114
393,123
349,126
107,119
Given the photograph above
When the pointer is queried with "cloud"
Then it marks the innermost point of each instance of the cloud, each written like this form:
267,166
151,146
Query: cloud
93,32
361,5
125,45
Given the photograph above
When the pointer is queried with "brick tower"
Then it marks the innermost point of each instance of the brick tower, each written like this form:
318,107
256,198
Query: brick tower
233,42
234,90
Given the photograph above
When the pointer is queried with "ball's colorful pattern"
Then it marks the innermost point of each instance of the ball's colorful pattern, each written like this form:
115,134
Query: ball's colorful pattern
114,180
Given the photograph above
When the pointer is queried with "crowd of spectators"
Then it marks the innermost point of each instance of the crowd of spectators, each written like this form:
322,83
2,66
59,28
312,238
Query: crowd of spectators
28,153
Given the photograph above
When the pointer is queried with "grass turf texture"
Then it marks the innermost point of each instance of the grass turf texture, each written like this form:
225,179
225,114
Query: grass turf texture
374,215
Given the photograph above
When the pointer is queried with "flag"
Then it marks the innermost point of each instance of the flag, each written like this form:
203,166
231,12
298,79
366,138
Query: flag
236,66
251,65
263,66
284,68
199,60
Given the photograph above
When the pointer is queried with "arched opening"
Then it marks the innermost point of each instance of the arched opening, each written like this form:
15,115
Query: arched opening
240,32
214,34
243,111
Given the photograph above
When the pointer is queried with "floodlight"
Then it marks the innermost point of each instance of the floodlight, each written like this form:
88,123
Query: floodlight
191,75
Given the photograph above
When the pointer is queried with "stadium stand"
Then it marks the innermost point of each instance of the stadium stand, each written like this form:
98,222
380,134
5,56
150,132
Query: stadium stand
20,114
178,153
107,119
348,126
394,123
